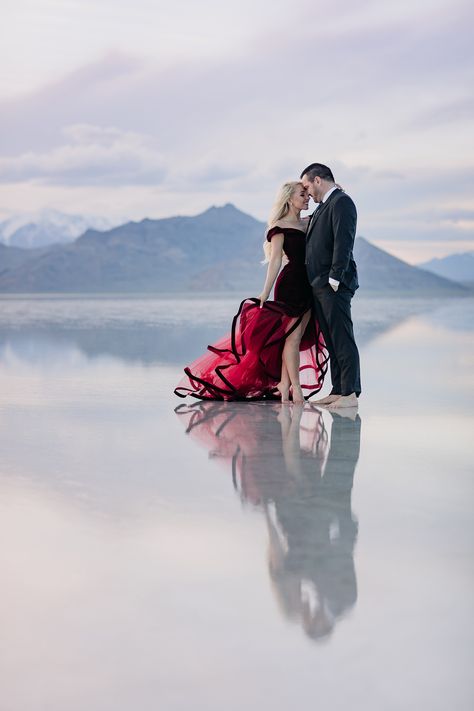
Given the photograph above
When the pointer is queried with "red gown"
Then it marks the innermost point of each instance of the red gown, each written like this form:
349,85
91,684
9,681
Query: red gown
245,364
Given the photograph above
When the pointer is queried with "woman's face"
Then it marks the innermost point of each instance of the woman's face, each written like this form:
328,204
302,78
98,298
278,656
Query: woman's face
300,198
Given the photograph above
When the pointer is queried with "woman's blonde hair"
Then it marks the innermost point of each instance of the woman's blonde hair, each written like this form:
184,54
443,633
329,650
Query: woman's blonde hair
280,209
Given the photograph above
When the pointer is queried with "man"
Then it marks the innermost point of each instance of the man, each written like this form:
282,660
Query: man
332,273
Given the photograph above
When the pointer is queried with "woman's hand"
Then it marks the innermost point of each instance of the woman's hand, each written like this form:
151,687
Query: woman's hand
262,298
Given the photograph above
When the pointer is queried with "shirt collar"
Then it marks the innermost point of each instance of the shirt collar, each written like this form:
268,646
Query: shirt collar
329,193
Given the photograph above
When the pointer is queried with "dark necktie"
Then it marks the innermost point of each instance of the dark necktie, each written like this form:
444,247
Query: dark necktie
313,216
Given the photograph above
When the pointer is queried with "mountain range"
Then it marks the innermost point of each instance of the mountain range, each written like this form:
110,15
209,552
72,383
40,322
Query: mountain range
38,229
458,267
217,250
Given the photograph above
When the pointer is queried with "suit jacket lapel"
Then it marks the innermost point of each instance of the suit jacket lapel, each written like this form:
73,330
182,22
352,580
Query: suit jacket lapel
315,216
311,221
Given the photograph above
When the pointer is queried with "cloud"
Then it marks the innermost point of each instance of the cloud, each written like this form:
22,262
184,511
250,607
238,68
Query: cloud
458,215
37,119
91,155
442,113
375,90
332,70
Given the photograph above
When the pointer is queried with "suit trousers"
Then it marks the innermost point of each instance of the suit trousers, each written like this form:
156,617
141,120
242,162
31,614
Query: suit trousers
333,311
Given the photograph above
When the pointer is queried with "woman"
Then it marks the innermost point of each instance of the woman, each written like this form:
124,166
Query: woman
260,357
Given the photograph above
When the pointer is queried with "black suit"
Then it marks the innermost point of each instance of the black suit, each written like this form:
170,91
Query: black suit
329,243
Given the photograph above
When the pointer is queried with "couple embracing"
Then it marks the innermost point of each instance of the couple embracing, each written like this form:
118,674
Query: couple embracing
279,348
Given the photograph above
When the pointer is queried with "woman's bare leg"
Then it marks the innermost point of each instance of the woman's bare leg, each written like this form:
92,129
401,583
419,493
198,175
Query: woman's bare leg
284,384
291,357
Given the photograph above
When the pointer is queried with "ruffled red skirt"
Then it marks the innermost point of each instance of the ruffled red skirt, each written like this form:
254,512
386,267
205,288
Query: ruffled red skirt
246,363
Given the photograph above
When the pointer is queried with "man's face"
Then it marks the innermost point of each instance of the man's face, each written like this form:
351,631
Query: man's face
313,188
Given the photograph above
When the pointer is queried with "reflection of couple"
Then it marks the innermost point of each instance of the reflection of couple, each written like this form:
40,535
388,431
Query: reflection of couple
276,349
281,463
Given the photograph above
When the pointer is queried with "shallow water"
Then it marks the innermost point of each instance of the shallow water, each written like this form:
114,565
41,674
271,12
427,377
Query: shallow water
160,553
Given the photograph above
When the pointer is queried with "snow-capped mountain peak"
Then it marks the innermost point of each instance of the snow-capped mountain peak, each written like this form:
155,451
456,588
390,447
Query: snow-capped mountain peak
47,226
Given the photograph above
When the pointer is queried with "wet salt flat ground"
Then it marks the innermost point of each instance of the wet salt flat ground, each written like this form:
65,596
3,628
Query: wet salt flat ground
167,554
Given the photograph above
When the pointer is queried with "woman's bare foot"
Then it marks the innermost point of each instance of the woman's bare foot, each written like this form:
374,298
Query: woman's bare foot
297,392
284,389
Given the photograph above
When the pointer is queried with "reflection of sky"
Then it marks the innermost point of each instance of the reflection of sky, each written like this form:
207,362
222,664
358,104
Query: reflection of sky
269,88
134,575
435,362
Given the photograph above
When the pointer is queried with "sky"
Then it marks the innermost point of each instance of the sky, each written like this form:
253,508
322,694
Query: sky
151,109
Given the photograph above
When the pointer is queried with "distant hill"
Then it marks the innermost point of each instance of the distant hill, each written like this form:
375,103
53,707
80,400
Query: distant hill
382,272
218,250
458,267
13,257
38,229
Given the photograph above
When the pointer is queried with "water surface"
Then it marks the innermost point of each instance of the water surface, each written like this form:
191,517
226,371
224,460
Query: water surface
160,553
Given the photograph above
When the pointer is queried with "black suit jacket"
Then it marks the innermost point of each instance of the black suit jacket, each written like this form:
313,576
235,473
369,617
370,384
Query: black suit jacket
330,241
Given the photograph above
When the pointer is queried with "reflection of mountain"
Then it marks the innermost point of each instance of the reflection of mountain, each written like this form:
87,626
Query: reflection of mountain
134,340
281,463
145,345
218,250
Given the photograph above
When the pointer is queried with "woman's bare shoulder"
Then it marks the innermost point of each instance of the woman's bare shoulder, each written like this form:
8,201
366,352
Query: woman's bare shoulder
285,225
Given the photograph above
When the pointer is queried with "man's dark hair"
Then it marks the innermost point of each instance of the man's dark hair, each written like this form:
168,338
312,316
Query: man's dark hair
318,170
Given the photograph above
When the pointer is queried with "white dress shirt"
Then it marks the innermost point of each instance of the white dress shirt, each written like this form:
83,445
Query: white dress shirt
334,282
331,190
